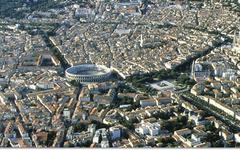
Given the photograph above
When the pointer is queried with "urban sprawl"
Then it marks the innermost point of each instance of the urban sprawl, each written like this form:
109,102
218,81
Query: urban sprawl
120,73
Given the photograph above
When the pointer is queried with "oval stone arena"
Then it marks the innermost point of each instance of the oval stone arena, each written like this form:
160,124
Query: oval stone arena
88,73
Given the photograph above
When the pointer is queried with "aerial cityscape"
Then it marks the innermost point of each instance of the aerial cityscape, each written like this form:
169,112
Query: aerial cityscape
119,73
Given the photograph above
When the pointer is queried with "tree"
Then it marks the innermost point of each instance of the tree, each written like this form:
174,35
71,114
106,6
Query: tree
80,127
161,115
50,138
127,124
136,105
174,74
168,125
210,127
100,107
74,83
182,119
182,78
190,125
217,143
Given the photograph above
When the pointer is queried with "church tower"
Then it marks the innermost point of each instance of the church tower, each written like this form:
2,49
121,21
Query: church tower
236,42
141,41
193,70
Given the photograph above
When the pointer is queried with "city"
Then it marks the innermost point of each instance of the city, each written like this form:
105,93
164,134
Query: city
120,73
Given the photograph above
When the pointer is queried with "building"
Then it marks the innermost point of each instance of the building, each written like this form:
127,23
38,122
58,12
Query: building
88,73
226,135
147,102
237,137
115,133
66,113
191,138
152,129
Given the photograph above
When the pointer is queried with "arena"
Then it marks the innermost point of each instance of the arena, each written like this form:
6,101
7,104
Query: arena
87,73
